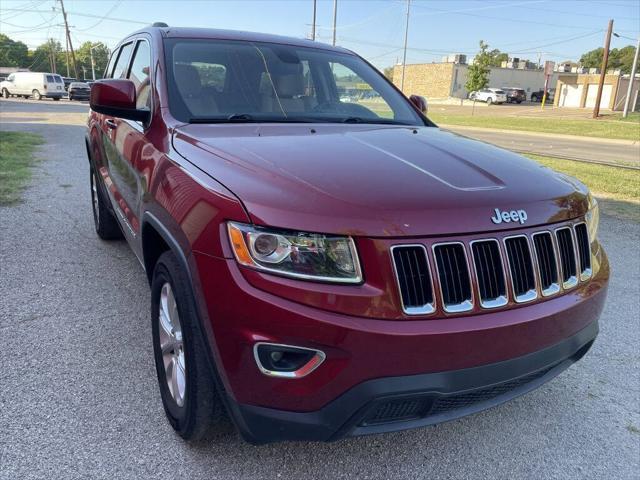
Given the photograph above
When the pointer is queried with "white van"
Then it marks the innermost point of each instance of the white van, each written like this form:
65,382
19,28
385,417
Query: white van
33,84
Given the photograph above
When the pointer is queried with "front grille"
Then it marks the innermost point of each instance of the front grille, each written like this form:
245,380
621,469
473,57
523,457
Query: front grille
429,405
453,273
547,264
414,279
584,250
567,257
521,268
489,273
397,410
535,264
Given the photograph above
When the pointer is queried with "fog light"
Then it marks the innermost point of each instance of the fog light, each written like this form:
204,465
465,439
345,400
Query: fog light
286,361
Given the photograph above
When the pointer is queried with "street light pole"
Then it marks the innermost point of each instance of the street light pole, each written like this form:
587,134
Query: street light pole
313,24
93,67
404,55
632,78
335,16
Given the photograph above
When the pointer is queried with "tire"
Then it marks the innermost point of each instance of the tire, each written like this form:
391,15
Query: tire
5,93
489,100
71,98
518,102
194,408
534,98
105,222
55,99
36,95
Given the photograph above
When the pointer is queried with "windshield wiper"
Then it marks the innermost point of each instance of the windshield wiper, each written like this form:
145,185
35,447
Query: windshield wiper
248,118
383,121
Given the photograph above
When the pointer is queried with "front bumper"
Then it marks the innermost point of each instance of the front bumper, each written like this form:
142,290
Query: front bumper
399,403
420,368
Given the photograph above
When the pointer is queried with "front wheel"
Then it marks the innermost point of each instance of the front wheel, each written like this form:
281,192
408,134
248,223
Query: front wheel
55,99
5,93
36,95
489,101
71,98
534,98
187,386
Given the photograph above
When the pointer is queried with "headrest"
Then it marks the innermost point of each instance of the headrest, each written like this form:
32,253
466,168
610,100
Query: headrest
187,79
289,85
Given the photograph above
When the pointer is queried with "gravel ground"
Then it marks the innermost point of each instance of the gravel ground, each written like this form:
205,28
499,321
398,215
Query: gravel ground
78,395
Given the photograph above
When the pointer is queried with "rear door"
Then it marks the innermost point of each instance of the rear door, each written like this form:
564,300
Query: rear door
113,170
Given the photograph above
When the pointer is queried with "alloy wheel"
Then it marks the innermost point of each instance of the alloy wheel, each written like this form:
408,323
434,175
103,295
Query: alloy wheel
171,344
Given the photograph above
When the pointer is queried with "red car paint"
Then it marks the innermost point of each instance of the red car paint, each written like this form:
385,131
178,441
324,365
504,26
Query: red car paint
396,185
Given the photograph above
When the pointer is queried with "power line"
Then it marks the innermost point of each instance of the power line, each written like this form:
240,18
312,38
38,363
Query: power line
87,15
104,17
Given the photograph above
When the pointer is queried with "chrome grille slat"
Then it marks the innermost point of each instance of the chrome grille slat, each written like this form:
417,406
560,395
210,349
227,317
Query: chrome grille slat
523,280
489,273
453,274
583,246
567,257
547,264
413,275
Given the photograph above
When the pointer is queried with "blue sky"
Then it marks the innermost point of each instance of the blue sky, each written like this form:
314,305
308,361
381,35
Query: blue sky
556,29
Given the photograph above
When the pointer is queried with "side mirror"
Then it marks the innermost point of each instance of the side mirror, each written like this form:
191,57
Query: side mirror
118,99
420,103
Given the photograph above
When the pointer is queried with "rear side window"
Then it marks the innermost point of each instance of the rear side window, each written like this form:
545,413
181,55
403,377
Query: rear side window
112,62
58,79
139,75
51,79
120,69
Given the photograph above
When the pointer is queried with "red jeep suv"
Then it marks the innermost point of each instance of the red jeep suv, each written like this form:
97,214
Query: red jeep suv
323,260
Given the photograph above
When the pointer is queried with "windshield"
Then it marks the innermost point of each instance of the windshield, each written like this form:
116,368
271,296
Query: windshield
237,81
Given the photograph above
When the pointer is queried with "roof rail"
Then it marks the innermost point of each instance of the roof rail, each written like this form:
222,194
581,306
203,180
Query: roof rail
159,24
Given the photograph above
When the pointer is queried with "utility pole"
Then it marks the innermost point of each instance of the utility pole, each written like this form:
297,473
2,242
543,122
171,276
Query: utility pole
335,16
52,47
632,78
67,54
313,23
404,55
66,27
605,60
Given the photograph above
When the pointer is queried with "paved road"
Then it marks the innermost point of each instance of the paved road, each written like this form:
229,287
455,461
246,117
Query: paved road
582,148
78,395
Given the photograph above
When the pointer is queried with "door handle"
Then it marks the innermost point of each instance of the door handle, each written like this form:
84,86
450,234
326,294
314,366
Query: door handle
110,123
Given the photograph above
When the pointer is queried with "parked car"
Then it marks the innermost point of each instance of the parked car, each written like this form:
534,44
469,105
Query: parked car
33,84
515,95
489,95
68,81
537,95
79,91
319,269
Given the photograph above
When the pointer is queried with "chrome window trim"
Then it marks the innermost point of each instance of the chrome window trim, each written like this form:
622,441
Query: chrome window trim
428,308
467,305
502,300
554,288
530,295
585,273
318,358
573,280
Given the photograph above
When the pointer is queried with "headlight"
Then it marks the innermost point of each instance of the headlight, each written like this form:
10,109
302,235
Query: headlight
592,218
309,256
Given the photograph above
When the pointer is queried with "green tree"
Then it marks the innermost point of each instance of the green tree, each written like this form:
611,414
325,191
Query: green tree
100,59
621,58
478,72
13,53
496,57
388,72
40,58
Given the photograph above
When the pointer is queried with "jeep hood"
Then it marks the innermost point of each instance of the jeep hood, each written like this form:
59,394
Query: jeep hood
376,180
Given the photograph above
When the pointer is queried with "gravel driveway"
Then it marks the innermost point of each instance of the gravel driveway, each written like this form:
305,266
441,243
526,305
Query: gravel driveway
78,394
